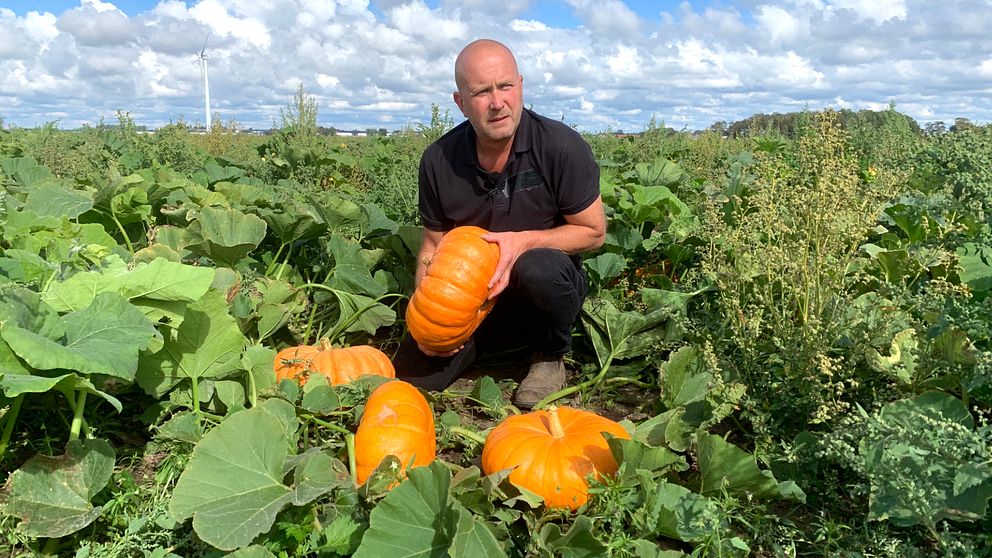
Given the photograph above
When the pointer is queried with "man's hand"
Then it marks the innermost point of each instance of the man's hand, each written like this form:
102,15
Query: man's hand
511,245
431,353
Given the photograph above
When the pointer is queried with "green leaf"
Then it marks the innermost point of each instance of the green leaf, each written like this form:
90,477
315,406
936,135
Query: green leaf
371,315
604,267
225,235
578,542
637,456
660,172
900,364
351,273
675,512
232,486
56,200
293,221
419,518
51,495
615,334
976,266
724,466
103,338
684,378
158,280
253,551
13,384
208,344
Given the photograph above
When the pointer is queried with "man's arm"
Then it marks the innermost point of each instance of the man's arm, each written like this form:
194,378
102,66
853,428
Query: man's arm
428,245
583,231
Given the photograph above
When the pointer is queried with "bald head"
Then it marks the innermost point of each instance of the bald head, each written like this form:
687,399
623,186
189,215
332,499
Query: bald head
480,54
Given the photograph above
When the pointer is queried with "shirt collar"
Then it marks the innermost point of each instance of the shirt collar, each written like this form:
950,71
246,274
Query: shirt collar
521,139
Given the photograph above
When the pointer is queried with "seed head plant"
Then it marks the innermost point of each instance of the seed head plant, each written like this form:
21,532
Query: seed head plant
781,261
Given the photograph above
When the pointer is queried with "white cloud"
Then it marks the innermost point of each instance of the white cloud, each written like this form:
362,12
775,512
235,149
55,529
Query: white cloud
779,24
220,21
527,25
388,60
879,11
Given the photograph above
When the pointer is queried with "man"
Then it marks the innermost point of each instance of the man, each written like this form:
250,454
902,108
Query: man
533,183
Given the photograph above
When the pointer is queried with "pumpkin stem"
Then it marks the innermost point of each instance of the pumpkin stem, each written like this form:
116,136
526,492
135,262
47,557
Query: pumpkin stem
554,423
325,344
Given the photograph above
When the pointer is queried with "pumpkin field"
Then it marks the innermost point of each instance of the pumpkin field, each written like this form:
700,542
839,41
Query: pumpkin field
786,351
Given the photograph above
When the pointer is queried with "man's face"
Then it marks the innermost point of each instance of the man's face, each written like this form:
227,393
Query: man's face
490,95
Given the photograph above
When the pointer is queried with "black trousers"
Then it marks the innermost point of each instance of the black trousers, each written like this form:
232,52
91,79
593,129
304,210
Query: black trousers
536,311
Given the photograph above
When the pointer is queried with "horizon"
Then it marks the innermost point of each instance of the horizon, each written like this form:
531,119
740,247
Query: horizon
599,66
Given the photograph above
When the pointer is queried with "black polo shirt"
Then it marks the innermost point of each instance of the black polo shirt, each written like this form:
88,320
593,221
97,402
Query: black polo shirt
550,173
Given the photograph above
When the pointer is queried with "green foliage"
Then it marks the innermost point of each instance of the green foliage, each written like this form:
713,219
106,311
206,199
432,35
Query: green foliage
780,260
921,460
438,126
300,115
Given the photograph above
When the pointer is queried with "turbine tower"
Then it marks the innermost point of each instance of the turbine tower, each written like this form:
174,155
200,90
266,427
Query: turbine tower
206,83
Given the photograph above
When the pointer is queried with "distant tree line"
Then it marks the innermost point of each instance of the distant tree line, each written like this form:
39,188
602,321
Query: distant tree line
786,124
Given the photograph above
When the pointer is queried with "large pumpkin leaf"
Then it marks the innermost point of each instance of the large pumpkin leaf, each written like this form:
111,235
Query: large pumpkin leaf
901,450
578,542
159,279
976,266
419,518
103,338
225,236
233,490
56,200
208,344
724,466
52,495
351,272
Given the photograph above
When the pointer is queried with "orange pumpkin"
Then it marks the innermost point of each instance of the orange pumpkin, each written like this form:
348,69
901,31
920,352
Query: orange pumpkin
552,452
339,366
452,299
397,421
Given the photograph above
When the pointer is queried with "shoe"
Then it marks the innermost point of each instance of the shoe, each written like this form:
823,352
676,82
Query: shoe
546,376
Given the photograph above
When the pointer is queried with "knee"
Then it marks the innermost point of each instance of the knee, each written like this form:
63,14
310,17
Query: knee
543,266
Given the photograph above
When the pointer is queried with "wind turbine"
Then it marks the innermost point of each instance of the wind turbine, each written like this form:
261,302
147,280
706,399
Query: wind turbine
206,83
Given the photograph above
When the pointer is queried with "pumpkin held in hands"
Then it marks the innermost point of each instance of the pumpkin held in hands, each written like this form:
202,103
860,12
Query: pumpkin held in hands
339,366
452,299
552,452
397,421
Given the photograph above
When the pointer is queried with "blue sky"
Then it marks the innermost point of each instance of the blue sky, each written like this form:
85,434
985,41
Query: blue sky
596,64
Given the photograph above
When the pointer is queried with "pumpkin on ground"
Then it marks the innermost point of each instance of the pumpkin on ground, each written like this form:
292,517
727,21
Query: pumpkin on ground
397,421
453,297
552,452
339,366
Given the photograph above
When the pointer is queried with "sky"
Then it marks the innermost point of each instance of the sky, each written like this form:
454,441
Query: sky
598,65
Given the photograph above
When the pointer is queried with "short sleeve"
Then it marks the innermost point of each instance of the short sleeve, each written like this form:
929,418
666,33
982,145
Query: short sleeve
577,184
428,202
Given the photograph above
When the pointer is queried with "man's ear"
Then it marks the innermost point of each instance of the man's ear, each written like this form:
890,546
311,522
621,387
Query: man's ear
457,97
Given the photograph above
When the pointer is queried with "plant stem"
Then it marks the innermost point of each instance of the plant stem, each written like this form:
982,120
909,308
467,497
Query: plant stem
627,380
120,227
285,262
77,416
9,419
329,425
573,389
275,259
469,434
349,442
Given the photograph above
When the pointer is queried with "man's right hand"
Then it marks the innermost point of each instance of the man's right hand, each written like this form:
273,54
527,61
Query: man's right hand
431,353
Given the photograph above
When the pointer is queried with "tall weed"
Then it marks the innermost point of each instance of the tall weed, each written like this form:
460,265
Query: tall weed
780,260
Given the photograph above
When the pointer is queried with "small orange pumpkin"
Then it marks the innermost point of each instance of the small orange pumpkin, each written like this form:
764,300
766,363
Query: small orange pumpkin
453,297
397,421
339,366
552,452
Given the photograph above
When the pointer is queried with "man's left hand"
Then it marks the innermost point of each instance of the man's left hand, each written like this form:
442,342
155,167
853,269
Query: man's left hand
511,245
